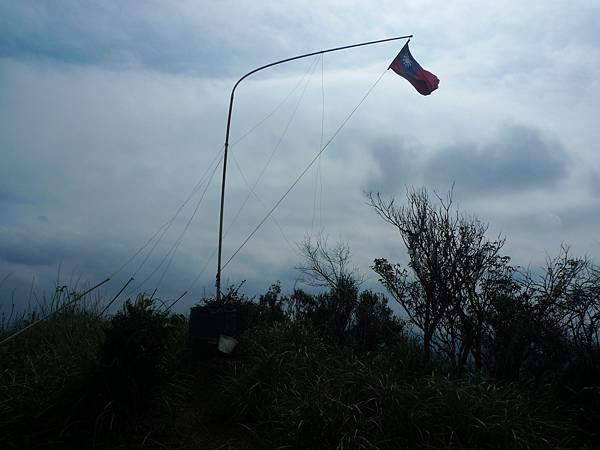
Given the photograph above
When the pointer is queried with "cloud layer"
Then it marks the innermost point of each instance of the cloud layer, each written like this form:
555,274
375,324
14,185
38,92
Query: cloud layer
110,114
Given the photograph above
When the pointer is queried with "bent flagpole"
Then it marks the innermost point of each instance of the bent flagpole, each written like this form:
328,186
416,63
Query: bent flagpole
306,55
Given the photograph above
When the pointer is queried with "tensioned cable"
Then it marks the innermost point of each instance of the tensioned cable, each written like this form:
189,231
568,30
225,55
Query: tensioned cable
181,235
172,220
58,309
337,131
187,225
309,72
318,177
277,145
212,255
214,252
197,186
166,225
251,129
320,171
260,200
208,261
126,263
173,250
6,277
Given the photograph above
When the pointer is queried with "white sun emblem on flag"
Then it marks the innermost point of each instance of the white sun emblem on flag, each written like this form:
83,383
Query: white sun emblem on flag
406,61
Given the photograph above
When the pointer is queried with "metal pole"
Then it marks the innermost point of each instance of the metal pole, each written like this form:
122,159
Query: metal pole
306,55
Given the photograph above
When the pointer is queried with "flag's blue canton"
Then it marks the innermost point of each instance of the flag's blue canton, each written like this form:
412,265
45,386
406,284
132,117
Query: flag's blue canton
409,63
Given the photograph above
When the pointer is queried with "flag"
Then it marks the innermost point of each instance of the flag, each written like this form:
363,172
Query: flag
405,65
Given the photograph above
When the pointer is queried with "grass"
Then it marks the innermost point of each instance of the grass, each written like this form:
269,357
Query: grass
79,380
39,366
294,391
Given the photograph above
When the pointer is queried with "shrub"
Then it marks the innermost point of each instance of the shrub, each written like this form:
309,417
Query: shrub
250,313
361,321
271,305
139,351
374,324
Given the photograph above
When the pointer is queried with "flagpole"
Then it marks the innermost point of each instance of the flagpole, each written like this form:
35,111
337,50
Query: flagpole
306,55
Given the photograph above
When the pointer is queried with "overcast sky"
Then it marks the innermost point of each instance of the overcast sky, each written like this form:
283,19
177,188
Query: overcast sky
111,113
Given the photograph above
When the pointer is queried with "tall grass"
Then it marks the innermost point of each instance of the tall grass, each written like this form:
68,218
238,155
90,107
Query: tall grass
293,390
81,380
39,366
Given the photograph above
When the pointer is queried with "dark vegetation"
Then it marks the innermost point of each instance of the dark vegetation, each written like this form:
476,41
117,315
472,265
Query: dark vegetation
488,355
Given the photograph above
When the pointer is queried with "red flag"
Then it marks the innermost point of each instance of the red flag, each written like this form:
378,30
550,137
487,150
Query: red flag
407,67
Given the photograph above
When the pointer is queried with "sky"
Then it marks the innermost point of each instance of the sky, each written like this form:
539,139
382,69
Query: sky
113,114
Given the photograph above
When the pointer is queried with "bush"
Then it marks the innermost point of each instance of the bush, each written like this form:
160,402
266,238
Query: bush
250,313
361,321
139,351
374,325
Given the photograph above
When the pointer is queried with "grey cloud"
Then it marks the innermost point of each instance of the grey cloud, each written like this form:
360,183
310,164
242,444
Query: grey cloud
107,155
396,165
593,181
520,157
31,252
40,243
64,258
576,217
118,34
6,195
196,38
9,196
